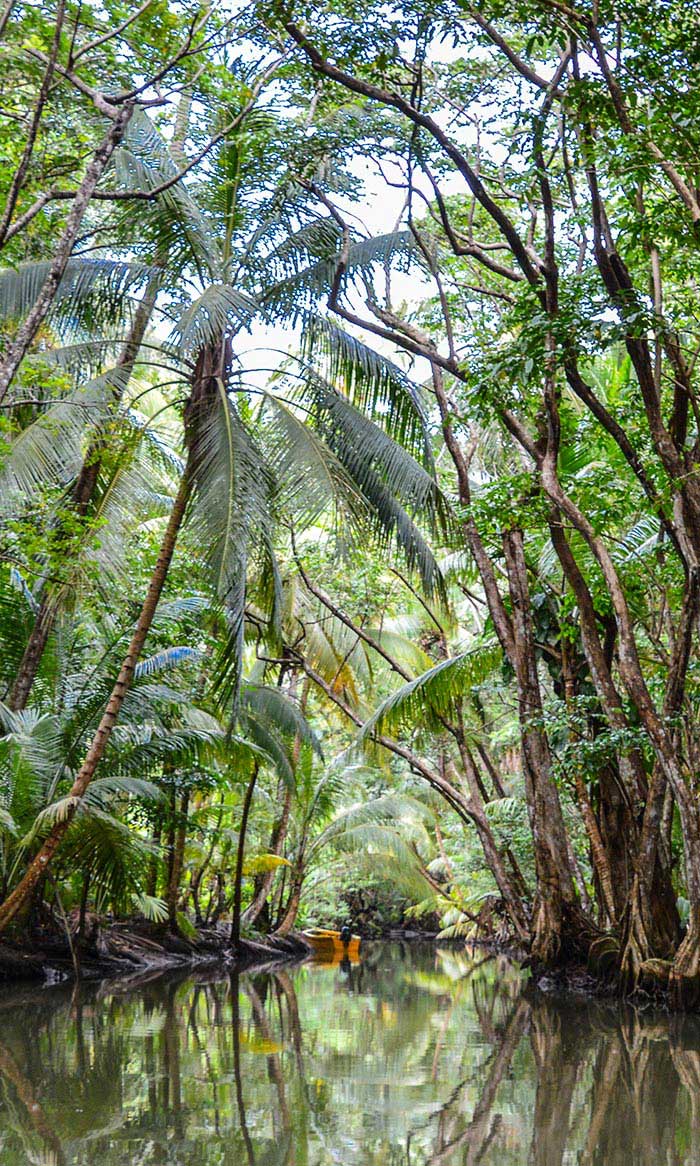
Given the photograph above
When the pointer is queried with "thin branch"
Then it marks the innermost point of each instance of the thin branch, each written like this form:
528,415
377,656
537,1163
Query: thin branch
111,33
424,121
517,62
21,171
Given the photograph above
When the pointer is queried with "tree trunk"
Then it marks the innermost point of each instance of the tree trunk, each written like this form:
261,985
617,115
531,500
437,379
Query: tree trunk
177,860
513,904
279,833
28,330
197,877
237,1075
211,365
154,860
86,483
292,909
83,494
240,854
32,656
599,856
555,908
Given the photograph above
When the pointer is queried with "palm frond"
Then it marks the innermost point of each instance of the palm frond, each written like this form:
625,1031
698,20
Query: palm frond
219,310
639,540
403,649
50,450
434,695
152,908
163,661
232,509
7,822
276,709
273,747
376,386
393,483
310,476
171,223
103,790
113,855
302,288
91,292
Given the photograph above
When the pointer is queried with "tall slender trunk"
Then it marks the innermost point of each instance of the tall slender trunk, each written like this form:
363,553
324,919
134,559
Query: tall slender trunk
154,860
555,898
19,177
210,366
598,852
240,855
279,831
237,1075
197,877
86,483
511,899
83,908
177,860
21,894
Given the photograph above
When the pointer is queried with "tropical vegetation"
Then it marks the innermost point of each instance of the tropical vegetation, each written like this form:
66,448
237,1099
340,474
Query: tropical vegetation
350,523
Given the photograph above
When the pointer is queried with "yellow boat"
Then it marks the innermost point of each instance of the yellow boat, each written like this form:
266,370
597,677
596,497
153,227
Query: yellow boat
330,946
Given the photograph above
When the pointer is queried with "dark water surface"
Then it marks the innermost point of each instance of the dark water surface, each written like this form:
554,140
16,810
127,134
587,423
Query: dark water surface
415,1056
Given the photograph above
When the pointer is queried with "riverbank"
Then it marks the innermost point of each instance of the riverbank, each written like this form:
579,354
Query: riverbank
127,947
125,951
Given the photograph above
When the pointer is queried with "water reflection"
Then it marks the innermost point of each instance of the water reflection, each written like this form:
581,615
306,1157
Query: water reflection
413,1057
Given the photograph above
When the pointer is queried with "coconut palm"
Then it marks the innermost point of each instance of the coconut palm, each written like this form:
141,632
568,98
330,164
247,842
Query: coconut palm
242,470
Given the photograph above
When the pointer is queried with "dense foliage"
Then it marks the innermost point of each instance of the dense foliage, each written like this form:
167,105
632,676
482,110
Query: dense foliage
350,514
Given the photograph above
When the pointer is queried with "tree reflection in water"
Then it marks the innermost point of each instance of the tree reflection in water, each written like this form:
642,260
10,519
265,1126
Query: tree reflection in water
415,1057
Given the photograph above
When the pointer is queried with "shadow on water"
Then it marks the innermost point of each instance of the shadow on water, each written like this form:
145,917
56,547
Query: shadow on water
413,1057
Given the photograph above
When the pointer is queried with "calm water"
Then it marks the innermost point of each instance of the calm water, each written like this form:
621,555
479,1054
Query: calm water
416,1056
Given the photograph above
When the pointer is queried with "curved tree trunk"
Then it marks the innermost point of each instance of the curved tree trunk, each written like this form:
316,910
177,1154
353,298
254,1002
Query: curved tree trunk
20,346
83,494
21,894
292,908
211,365
279,833
512,901
86,482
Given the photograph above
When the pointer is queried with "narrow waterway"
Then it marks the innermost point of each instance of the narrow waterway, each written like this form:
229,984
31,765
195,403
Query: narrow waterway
415,1056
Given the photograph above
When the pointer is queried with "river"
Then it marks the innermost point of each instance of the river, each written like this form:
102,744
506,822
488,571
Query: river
415,1056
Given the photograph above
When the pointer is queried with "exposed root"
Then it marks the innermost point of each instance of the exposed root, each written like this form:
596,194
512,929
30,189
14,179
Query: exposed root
641,942
134,946
684,979
604,956
561,938
654,975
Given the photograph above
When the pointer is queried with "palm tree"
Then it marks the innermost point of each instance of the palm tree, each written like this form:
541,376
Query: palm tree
231,490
